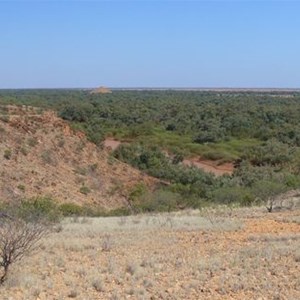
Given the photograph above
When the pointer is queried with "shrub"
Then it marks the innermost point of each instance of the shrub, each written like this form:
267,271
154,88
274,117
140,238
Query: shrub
160,200
32,141
7,154
93,167
213,154
48,158
24,151
137,191
266,191
17,239
39,208
71,209
21,187
205,137
84,190
21,228
271,153
231,195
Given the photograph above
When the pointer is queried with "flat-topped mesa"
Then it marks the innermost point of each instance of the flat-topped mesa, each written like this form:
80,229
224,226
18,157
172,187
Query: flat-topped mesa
101,90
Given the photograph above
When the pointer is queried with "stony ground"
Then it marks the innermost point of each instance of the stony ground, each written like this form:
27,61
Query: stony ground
220,254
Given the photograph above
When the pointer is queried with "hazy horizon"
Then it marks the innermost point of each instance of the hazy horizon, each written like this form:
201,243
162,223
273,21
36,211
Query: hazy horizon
162,88
157,44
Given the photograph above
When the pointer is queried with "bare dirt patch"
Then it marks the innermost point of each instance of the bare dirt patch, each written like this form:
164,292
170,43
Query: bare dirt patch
111,144
210,166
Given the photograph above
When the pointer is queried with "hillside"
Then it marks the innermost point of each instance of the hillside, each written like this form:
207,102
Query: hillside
41,155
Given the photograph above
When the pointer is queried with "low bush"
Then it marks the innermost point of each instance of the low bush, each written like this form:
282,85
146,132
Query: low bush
7,154
71,209
84,190
231,195
159,201
267,191
39,208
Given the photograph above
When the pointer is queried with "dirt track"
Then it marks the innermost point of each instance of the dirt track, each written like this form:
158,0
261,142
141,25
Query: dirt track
210,166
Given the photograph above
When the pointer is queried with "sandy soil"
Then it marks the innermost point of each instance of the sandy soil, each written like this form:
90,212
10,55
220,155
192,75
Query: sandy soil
213,254
111,144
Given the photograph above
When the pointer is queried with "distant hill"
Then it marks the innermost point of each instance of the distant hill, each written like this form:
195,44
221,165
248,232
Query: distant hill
41,155
101,90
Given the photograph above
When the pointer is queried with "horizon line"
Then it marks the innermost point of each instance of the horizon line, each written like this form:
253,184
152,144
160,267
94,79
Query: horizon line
157,88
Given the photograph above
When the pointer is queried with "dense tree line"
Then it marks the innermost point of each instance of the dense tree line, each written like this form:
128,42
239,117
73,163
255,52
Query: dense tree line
208,117
259,131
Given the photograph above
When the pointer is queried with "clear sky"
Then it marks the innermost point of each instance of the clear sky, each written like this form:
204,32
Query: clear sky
149,43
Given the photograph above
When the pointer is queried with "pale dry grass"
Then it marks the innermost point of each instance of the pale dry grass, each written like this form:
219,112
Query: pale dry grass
186,255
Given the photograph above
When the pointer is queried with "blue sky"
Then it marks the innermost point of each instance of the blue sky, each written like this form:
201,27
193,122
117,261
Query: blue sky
149,44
